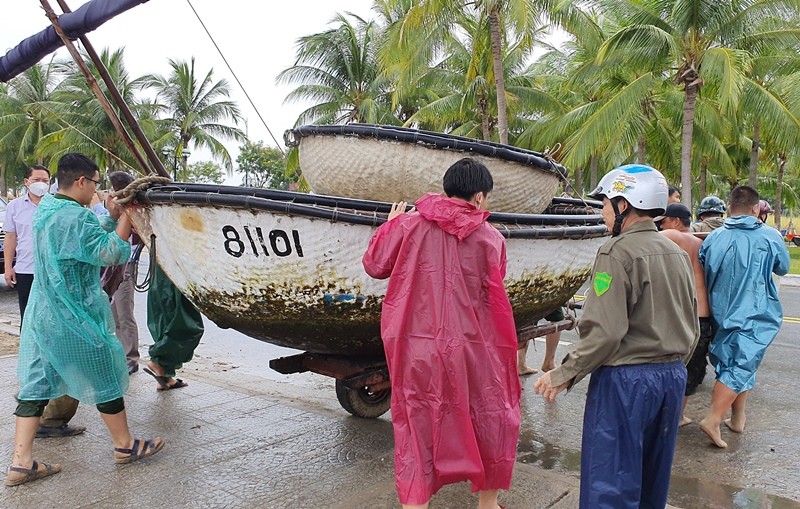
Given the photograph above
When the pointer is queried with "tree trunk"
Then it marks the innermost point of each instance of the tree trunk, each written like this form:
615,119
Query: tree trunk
704,178
751,179
640,150
579,181
778,192
484,112
499,80
686,143
3,183
593,171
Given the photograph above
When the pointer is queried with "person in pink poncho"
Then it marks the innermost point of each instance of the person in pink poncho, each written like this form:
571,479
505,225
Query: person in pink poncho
450,341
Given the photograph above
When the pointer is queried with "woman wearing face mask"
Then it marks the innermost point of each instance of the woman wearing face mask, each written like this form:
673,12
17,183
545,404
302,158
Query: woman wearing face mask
18,226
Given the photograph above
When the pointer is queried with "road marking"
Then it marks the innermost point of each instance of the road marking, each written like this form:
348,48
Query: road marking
791,319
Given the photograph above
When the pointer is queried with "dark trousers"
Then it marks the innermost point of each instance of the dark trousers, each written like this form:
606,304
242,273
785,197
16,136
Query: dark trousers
24,283
175,324
630,427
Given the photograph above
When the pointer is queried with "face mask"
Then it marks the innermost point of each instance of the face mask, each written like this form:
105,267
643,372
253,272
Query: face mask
39,188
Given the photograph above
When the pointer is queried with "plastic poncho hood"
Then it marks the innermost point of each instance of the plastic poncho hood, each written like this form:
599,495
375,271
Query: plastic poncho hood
67,344
451,347
738,260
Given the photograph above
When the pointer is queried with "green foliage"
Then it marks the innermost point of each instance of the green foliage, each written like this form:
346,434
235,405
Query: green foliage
794,258
203,172
263,166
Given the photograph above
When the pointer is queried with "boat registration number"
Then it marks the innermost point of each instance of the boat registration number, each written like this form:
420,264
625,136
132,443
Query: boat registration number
260,242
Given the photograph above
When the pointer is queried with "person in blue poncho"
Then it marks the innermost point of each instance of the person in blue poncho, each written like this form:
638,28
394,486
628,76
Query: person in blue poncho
739,260
67,344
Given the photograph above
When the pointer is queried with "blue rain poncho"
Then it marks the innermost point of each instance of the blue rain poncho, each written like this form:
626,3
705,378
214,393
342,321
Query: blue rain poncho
67,345
739,259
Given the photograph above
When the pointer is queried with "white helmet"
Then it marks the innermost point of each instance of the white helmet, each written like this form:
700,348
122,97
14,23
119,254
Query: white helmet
645,188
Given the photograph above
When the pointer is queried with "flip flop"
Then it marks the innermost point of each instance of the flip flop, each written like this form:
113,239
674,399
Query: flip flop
32,474
163,381
136,453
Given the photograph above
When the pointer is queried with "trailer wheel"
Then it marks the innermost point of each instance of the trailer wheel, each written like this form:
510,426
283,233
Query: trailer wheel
363,402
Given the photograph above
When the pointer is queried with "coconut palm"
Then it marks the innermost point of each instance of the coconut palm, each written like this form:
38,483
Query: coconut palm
707,44
413,40
193,111
86,127
29,112
465,103
338,71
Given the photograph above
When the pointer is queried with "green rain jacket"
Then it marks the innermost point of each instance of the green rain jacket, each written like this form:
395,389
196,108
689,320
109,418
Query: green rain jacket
67,345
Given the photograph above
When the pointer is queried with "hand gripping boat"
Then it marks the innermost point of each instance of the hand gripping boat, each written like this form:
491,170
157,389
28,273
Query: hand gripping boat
285,268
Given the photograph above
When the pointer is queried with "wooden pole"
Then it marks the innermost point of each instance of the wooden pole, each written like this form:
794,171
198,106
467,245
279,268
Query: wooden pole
51,15
123,107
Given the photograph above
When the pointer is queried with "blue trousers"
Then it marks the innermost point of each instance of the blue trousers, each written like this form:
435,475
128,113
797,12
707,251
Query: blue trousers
630,427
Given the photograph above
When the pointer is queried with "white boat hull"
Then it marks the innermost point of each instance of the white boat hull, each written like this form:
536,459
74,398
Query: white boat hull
298,281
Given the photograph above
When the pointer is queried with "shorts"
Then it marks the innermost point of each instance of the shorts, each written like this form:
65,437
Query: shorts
556,316
696,367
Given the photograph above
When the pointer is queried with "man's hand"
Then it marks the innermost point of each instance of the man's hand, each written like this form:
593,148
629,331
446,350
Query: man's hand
397,209
544,387
11,278
114,209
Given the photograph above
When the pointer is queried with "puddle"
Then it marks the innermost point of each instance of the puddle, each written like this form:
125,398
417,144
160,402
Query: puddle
691,493
685,492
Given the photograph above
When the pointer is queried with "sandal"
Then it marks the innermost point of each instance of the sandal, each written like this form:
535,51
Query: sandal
31,474
141,449
163,381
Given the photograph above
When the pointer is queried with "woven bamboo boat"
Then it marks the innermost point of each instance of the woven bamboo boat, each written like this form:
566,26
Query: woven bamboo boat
394,163
285,267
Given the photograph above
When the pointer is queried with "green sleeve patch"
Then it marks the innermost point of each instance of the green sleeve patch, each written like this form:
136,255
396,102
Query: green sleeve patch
602,282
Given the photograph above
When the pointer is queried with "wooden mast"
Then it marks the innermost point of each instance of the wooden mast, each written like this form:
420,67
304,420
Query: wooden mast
126,138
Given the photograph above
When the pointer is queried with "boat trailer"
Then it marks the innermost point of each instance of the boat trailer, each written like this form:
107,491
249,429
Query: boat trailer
362,383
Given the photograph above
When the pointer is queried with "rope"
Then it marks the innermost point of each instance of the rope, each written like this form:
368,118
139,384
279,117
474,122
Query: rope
235,77
148,279
127,195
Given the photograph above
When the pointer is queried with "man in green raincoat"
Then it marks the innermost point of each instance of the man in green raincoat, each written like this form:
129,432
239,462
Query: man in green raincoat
67,345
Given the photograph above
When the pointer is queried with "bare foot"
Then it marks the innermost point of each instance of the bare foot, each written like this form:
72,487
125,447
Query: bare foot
525,370
548,366
685,421
735,423
713,433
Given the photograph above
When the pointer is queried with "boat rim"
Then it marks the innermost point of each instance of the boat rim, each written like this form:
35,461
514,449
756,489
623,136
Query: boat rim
433,139
360,212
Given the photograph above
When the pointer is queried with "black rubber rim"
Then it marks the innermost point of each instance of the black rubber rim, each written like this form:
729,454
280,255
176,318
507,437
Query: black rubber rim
362,212
429,138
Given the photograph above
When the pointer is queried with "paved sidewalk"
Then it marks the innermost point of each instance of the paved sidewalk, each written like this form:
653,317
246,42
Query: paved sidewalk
234,441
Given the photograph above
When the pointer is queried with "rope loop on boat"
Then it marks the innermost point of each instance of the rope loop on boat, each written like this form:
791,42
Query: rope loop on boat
148,279
127,195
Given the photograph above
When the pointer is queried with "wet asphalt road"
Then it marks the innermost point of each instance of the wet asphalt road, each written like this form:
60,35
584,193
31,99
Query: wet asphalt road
760,469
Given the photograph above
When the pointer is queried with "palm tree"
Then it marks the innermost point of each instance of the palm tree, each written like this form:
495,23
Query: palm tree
29,111
464,96
413,40
193,111
339,72
707,44
85,126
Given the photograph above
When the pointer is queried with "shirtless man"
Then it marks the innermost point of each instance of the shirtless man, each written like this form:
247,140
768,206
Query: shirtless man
675,226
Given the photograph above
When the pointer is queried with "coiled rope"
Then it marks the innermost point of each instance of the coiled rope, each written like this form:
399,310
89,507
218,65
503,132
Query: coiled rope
127,195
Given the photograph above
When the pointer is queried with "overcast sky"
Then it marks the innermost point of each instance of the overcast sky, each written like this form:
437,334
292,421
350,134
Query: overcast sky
257,37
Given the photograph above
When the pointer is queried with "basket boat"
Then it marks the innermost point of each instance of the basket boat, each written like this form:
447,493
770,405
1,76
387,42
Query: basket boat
285,267
387,163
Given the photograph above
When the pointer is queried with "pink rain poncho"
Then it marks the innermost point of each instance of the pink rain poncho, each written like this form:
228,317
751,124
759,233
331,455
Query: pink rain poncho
451,347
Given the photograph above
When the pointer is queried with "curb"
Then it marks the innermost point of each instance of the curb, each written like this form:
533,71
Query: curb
790,280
